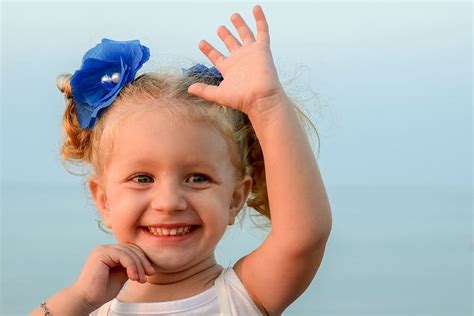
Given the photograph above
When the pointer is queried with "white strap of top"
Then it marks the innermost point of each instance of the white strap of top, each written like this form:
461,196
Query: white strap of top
104,309
222,297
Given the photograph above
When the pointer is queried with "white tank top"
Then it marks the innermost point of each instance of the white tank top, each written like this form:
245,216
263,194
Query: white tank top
227,297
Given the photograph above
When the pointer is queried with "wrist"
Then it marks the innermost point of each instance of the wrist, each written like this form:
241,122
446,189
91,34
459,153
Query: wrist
81,301
266,110
68,301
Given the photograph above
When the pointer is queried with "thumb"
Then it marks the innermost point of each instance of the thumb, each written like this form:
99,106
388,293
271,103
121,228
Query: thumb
204,91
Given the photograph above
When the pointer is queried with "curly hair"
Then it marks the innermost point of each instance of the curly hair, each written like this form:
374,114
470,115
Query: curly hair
91,146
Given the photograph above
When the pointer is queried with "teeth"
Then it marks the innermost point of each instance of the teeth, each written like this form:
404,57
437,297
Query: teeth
167,232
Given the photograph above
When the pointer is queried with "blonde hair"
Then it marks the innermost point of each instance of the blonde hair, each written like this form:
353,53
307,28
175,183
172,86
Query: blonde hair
90,146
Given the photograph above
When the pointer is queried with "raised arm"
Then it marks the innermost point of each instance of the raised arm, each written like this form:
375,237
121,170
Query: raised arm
280,269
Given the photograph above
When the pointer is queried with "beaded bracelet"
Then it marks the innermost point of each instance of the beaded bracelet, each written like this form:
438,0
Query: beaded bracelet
45,309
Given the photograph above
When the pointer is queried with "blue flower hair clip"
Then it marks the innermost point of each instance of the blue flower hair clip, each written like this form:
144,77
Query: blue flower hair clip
105,70
210,75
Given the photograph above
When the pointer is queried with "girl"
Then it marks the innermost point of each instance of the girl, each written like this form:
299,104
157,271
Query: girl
148,138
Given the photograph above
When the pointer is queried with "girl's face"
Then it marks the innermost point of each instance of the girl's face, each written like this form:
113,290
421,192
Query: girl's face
163,174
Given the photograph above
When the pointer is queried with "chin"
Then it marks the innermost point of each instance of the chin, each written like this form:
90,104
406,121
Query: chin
170,264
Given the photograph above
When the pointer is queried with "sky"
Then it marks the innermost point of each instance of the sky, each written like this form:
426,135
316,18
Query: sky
388,84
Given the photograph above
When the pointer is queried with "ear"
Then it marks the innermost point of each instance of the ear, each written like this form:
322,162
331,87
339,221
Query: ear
100,198
239,197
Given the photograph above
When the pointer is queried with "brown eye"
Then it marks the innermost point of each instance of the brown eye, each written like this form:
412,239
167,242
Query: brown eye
142,179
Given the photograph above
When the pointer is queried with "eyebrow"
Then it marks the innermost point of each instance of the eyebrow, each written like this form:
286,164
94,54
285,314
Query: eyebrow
205,163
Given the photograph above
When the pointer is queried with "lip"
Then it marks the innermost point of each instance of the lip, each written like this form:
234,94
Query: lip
170,238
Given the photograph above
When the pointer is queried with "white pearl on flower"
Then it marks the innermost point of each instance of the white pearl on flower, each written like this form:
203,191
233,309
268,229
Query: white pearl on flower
105,78
115,77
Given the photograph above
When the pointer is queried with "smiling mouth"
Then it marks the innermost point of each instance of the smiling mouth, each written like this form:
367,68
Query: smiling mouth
170,232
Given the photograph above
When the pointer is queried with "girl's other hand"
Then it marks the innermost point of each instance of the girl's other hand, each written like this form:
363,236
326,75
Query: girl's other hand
107,269
250,76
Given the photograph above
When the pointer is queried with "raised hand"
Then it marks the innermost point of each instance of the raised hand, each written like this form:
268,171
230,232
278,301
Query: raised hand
107,269
250,76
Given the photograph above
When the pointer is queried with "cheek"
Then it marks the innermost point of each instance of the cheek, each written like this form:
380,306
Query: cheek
215,216
126,204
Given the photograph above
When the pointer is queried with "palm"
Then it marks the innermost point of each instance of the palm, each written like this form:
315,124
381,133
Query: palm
106,287
249,72
115,283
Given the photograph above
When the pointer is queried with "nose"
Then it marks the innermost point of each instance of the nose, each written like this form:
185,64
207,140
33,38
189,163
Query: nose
168,196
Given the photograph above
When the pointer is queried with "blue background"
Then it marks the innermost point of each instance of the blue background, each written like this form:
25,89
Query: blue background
388,84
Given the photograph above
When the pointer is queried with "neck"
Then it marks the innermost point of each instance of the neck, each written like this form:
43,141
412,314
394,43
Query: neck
167,278
166,286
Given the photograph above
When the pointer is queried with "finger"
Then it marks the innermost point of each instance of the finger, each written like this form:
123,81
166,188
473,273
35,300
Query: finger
138,266
143,258
140,273
262,25
118,257
204,91
213,54
242,28
229,40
